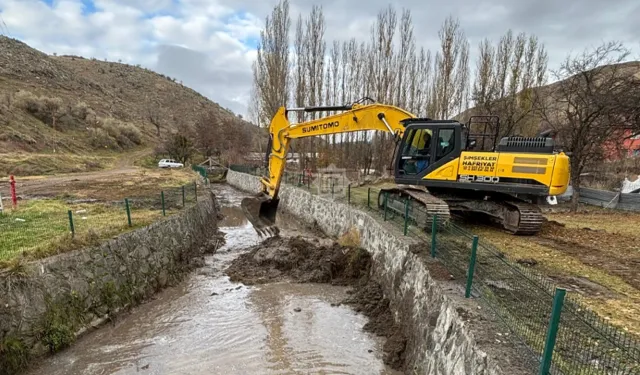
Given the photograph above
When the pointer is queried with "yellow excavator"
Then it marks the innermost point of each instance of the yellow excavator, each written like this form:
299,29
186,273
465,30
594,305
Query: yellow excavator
443,164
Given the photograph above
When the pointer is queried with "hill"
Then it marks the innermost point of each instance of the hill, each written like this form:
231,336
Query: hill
515,116
88,112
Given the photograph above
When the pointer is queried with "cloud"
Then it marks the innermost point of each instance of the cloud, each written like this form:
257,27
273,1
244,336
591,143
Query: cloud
210,44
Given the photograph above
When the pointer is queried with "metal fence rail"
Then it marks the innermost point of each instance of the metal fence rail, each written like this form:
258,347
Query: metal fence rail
526,302
607,199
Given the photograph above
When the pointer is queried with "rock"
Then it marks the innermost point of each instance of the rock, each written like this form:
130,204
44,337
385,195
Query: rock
214,294
530,262
163,277
297,309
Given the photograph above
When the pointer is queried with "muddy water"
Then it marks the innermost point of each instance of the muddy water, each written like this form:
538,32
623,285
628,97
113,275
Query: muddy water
208,325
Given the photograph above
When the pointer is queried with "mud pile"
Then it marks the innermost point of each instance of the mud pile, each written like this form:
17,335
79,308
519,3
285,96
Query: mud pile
298,260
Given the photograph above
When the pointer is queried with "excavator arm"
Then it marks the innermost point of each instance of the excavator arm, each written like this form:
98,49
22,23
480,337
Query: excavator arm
261,210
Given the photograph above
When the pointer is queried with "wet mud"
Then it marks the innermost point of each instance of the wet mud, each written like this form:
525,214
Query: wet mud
301,260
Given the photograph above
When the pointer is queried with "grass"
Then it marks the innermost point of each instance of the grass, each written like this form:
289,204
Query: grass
610,221
149,162
40,228
29,164
606,293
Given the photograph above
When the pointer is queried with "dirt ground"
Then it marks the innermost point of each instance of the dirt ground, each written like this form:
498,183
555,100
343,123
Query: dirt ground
594,253
121,181
298,260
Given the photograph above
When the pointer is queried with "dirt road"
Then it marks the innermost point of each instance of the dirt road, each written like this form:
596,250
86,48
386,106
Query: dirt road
99,184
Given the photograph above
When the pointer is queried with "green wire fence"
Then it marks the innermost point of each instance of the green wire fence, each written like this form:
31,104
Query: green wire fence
43,227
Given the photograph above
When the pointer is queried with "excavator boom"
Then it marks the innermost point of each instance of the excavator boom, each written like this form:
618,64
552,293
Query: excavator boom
261,210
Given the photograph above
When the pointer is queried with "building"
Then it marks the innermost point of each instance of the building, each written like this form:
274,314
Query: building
628,148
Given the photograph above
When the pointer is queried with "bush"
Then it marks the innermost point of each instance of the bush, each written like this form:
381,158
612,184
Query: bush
45,109
114,134
131,132
99,138
28,102
81,111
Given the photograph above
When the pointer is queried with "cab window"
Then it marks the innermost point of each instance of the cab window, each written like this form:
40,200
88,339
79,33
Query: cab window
445,144
417,151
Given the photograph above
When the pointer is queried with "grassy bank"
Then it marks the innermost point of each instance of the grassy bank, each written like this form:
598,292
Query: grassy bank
41,228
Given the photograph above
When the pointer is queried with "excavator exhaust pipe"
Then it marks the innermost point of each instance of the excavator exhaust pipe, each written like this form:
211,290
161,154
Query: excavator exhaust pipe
261,213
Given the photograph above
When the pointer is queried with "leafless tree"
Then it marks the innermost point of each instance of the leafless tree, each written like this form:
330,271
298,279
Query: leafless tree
406,60
506,76
207,131
180,147
154,115
315,55
253,110
271,69
52,107
300,46
450,83
594,104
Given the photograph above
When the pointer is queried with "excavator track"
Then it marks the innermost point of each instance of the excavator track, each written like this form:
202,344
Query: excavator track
522,218
435,207
515,216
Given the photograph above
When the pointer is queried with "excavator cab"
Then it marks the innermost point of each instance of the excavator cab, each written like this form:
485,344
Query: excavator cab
426,146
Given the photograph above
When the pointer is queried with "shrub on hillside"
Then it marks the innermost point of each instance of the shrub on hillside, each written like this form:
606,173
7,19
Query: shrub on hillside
131,132
99,138
27,101
45,109
120,135
81,111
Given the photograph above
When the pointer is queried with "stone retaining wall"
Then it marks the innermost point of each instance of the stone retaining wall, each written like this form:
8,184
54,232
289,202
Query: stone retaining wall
439,340
46,304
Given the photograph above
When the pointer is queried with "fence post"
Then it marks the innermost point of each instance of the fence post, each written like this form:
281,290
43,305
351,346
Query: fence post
406,215
126,204
369,198
348,194
386,199
195,189
164,212
73,229
332,187
434,230
183,197
14,196
472,267
552,331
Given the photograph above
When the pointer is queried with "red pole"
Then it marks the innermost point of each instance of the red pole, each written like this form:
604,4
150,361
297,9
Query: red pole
14,197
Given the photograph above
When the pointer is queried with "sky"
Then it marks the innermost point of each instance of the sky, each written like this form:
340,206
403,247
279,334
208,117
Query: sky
210,44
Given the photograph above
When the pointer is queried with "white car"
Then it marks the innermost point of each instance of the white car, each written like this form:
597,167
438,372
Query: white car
169,163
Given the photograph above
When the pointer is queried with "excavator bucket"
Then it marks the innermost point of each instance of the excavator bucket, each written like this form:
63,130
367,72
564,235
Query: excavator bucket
261,212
